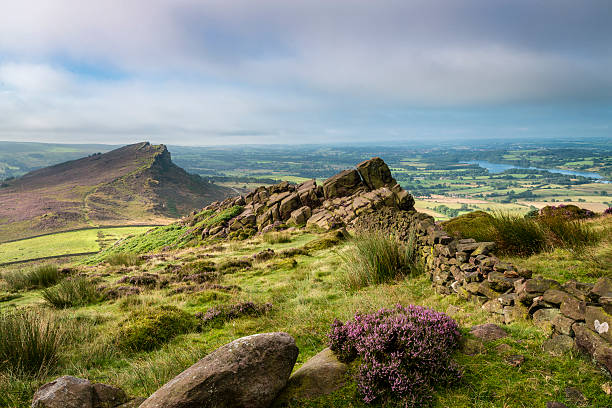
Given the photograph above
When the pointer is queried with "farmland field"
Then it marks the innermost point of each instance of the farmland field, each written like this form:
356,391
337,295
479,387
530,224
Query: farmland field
64,243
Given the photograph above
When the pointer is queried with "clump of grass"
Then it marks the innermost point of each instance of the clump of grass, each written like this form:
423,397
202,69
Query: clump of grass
31,342
568,233
148,329
280,237
123,259
217,315
518,235
71,293
475,224
378,258
40,277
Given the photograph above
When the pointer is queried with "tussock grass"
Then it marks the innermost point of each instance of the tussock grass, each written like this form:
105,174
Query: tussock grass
40,277
31,342
277,237
71,293
518,235
378,258
123,259
570,234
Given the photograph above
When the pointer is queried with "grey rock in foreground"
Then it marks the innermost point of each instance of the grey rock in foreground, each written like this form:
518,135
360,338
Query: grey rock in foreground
488,332
248,372
72,392
320,375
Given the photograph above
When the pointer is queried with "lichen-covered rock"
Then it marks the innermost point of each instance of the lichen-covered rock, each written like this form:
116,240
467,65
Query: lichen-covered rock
320,375
248,372
300,216
375,173
72,392
342,184
488,332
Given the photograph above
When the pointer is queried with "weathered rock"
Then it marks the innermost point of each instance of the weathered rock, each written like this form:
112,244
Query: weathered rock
320,375
290,203
540,285
555,296
603,287
500,282
133,403
493,306
558,344
342,184
555,404
599,321
300,216
563,324
488,332
543,318
574,395
574,308
248,372
65,392
375,173
72,392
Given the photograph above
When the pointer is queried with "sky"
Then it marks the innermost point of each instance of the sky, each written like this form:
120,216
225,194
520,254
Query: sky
203,72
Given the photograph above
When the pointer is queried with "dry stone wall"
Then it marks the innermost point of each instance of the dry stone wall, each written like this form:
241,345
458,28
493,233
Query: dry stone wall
578,315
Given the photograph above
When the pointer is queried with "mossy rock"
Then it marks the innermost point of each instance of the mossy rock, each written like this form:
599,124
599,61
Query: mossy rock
329,240
147,330
476,224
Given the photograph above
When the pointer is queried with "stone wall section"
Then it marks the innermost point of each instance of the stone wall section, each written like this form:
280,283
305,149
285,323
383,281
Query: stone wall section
578,315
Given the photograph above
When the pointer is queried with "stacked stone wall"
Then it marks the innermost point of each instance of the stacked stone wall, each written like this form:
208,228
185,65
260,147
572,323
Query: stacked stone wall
578,315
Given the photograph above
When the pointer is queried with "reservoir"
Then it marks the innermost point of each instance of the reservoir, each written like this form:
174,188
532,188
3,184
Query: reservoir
495,168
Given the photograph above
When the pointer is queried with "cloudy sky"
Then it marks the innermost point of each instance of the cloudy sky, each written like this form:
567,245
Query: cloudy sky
303,71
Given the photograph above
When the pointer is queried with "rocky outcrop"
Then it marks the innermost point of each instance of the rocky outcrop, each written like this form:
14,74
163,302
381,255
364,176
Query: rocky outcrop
248,372
72,392
339,202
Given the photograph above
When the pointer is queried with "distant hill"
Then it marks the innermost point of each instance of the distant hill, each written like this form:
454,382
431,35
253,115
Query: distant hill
135,184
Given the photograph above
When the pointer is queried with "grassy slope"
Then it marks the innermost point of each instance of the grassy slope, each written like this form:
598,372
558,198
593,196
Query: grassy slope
306,299
64,243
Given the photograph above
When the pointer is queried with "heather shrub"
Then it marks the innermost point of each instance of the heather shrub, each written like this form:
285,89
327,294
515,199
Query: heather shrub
70,293
404,353
378,258
567,211
31,341
148,329
608,211
39,277
217,315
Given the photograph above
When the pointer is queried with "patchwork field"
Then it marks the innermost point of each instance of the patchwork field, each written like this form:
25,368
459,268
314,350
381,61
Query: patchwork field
64,243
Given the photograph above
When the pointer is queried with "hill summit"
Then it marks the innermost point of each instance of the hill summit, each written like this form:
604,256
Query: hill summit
134,184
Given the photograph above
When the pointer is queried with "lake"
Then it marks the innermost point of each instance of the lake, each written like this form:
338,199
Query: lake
500,168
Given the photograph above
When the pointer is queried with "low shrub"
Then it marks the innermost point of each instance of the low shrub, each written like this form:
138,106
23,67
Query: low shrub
475,224
279,237
123,259
567,211
327,241
70,293
31,341
378,258
217,315
233,265
404,353
39,277
148,329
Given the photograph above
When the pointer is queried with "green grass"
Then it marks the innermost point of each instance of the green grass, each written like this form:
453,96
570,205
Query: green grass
62,243
38,277
306,298
376,258
31,342
123,259
277,237
71,293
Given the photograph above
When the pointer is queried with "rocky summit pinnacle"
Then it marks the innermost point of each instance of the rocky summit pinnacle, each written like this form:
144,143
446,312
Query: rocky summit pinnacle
340,201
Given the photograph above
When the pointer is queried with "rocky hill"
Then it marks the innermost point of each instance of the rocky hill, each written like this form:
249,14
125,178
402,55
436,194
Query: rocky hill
134,184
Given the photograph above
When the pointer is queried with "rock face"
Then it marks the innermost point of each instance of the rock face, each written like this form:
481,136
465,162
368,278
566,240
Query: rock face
248,372
72,392
321,375
340,202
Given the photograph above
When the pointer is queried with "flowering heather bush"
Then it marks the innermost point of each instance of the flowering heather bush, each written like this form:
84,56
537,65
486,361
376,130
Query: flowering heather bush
404,352
223,313
567,211
608,211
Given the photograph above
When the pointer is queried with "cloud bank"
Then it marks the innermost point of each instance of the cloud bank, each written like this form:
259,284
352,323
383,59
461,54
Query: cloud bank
199,72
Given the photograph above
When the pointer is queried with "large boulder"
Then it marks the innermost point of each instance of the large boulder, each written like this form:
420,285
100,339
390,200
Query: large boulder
375,173
248,372
320,375
342,184
72,392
